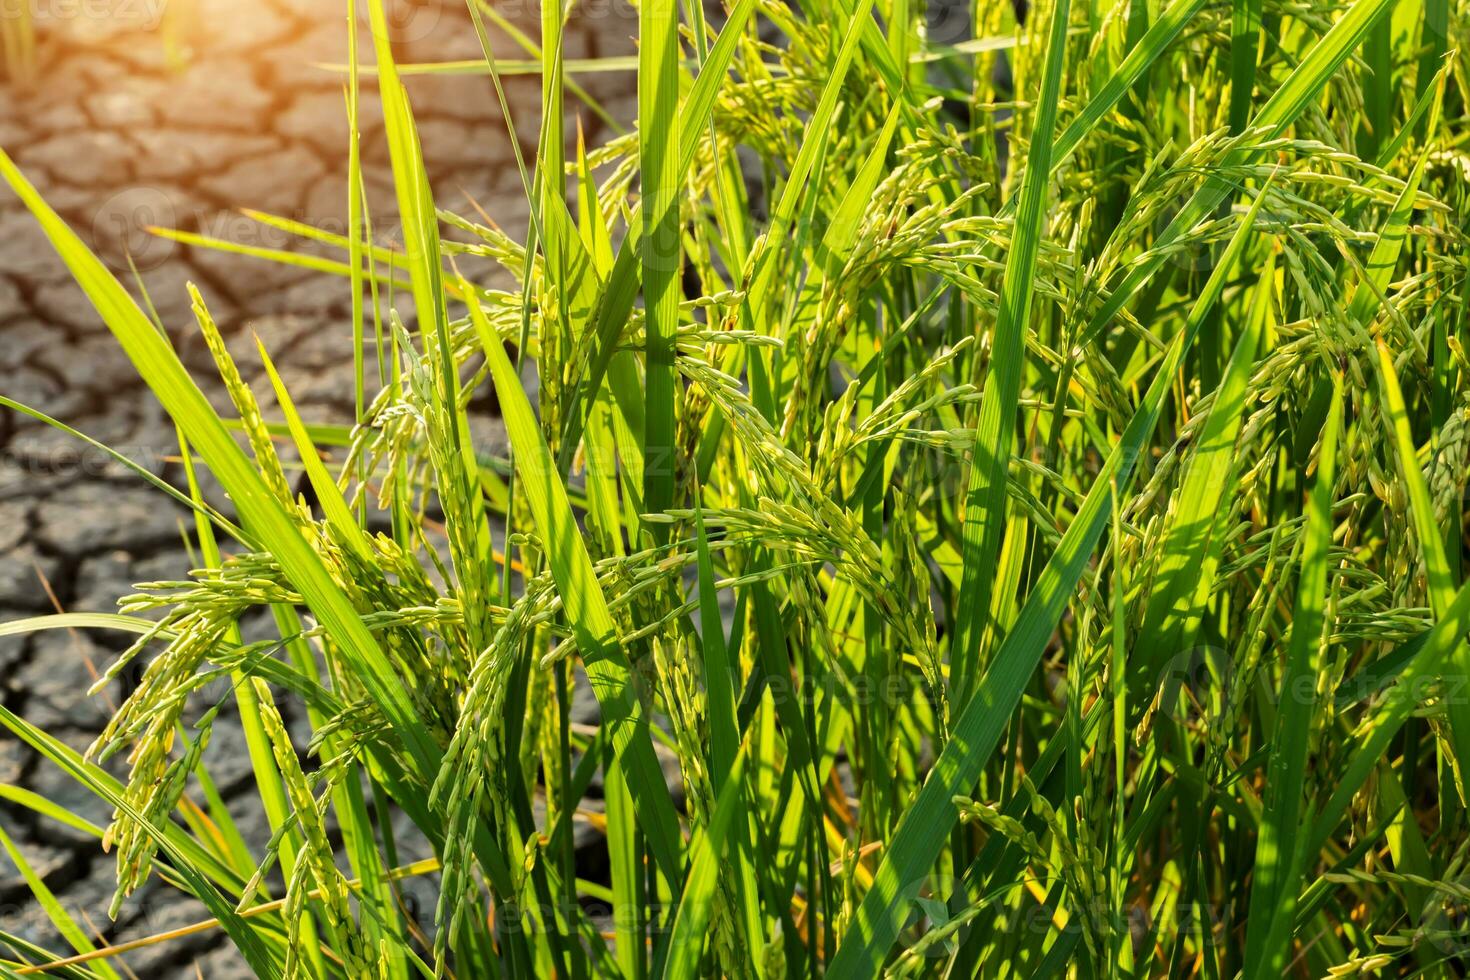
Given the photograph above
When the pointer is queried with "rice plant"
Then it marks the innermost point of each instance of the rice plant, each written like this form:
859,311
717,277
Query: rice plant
1003,486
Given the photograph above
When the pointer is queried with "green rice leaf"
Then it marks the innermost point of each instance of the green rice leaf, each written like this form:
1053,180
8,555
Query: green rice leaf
586,609
978,728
